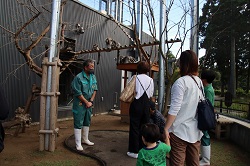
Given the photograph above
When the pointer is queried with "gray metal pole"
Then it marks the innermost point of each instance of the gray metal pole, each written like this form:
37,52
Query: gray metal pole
109,6
116,9
161,85
100,5
120,10
52,53
139,18
194,40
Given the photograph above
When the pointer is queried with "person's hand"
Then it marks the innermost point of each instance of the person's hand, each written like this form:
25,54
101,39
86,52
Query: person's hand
167,141
167,134
89,104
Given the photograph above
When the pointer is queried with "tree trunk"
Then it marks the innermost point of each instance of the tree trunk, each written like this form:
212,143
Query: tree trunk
167,97
232,87
248,75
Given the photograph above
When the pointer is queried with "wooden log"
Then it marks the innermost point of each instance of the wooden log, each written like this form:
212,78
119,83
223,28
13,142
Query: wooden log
54,101
43,104
13,123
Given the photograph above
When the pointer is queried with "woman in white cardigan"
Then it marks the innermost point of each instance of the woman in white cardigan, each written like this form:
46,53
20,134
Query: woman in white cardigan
181,124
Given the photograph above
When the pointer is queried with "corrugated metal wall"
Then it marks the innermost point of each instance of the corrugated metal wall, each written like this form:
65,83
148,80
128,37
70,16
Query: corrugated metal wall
15,77
17,83
97,28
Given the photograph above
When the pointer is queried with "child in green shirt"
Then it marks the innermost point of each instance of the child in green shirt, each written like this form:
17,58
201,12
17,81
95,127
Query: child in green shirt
154,154
207,77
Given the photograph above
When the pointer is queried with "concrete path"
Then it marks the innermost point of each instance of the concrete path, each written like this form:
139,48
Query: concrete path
110,147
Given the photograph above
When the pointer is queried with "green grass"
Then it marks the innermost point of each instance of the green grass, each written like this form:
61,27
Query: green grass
225,153
244,108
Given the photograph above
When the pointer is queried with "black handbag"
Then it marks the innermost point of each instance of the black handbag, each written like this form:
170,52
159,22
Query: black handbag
205,111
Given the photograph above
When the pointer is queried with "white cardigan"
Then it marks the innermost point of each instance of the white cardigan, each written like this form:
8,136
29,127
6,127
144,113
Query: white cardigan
184,100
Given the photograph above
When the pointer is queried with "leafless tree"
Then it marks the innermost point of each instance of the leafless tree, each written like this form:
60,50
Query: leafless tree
175,31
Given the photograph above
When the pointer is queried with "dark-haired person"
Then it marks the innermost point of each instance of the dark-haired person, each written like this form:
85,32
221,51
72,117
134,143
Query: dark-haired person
139,108
207,77
181,124
84,87
154,152
4,112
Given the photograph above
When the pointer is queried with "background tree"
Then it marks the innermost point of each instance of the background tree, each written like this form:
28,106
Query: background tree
219,19
180,33
177,29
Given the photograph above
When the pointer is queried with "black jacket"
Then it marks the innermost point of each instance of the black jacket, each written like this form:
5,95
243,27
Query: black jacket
4,112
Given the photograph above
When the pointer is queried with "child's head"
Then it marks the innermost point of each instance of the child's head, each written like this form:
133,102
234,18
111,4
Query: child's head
208,75
150,132
152,107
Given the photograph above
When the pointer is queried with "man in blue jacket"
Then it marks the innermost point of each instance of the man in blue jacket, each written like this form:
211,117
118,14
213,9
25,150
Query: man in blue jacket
84,88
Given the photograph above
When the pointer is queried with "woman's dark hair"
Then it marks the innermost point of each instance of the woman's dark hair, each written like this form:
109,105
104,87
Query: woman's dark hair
188,63
143,67
150,132
87,62
208,75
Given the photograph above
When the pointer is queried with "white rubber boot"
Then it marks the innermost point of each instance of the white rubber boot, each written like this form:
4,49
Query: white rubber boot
205,153
78,139
85,136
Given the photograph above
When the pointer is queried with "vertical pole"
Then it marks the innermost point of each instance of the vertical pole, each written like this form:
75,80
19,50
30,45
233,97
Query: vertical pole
232,66
52,53
116,9
43,104
248,114
54,102
162,37
139,18
220,106
100,5
195,26
108,7
232,86
121,11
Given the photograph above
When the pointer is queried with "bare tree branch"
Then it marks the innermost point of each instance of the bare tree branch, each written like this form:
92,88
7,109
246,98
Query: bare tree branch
20,29
7,30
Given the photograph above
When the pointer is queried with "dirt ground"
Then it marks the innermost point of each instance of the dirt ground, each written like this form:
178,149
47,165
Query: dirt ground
24,149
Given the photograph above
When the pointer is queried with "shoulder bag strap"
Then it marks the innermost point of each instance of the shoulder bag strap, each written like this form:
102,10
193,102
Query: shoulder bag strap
141,84
198,85
149,85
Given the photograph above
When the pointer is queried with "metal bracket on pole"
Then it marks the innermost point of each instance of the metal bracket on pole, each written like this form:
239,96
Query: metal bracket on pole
55,131
50,93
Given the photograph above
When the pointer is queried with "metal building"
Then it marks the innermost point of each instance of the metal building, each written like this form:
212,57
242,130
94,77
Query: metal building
85,27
